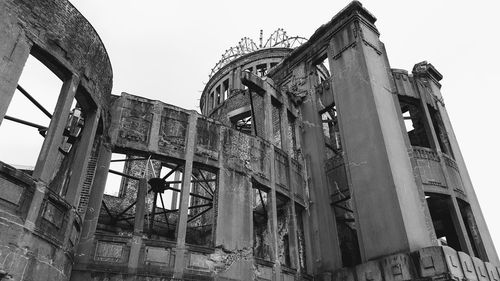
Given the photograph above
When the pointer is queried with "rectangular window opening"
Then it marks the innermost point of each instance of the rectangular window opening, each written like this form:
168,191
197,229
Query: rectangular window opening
322,68
301,239
414,121
283,209
27,119
261,224
243,122
440,211
262,70
225,87
441,134
218,95
200,227
276,115
331,131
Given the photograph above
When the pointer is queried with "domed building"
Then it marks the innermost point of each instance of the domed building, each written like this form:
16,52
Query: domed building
312,159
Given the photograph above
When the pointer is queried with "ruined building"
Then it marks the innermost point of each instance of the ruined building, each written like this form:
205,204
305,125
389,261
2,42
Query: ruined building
310,160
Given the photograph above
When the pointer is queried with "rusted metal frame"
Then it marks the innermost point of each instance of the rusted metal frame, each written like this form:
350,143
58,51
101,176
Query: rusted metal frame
205,179
164,213
192,194
204,188
153,213
128,159
34,101
201,206
27,123
172,171
253,112
123,175
107,210
130,206
192,181
199,214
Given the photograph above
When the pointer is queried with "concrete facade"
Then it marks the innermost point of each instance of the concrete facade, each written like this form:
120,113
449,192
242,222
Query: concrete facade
310,162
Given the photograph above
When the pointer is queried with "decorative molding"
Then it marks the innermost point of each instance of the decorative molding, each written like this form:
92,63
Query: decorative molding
339,53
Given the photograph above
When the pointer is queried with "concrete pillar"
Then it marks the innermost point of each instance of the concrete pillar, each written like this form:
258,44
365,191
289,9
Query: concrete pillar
292,233
81,158
323,229
45,164
492,255
458,222
177,177
388,207
14,51
180,250
136,241
86,244
268,134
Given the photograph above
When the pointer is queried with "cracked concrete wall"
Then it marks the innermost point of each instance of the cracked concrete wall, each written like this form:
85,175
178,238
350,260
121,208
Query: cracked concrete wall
38,227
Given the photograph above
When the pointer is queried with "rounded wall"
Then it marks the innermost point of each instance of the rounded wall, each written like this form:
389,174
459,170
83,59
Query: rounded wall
226,83
39,224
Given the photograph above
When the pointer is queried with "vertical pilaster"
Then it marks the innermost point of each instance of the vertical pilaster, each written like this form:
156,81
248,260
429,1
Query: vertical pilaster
81,159
285,144
14,52
325,248
388,206
46,160
268,133
140,208
86,244
487,245
180,251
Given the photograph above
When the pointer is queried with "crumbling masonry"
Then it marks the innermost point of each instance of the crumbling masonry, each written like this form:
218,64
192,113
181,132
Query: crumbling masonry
310,160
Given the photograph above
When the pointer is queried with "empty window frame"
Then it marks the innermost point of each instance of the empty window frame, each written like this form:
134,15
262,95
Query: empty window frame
331,131
301,238
284,223
40,95
322,68
243,122
200,223
292,136
276,115
441,134
440,208
472,230
262,70
218,96
225,89
262,236
414,120
211,101
27,119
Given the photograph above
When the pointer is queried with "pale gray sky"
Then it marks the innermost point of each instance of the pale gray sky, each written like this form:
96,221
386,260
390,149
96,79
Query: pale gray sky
165,50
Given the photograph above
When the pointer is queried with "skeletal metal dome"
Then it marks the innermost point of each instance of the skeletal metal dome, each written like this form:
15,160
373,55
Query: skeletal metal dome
278,39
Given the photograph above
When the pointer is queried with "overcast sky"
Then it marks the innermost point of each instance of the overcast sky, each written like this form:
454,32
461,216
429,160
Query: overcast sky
165,50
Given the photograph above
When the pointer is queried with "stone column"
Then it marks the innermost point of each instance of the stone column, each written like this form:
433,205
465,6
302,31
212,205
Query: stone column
268,135
180,251
488,246
458,222
323,228
388,207
45,164
140,208
86,244
14,51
